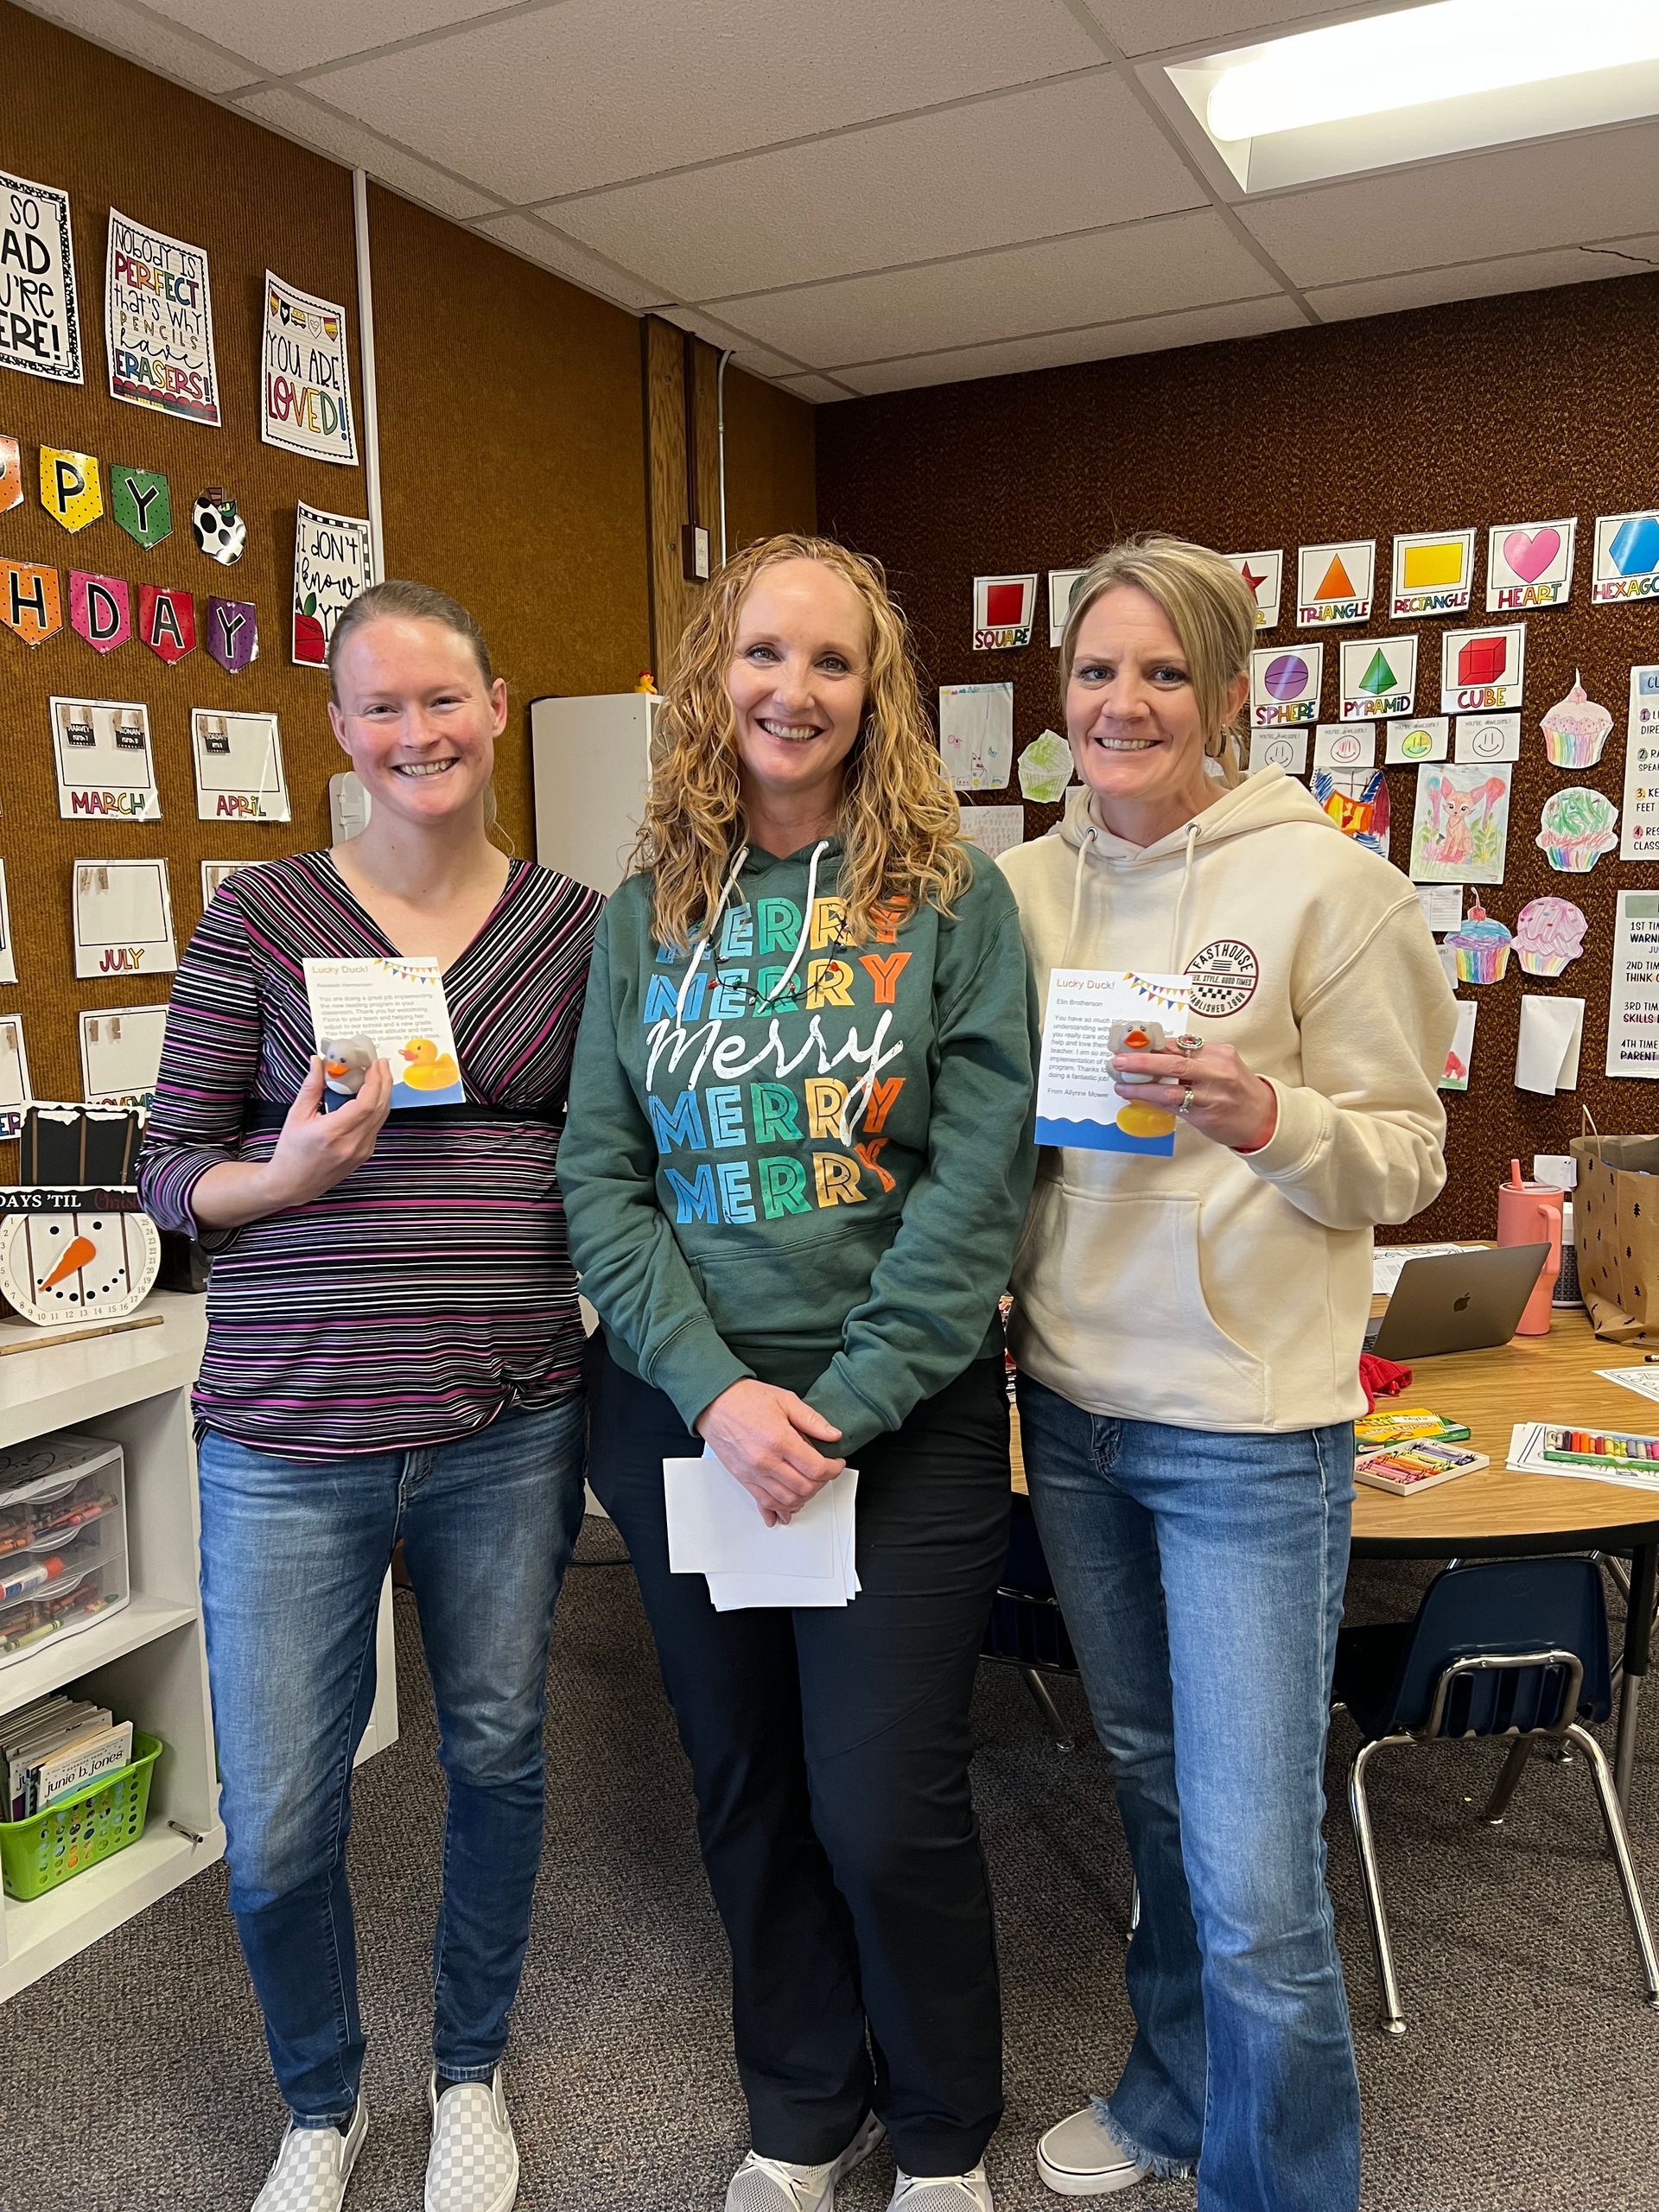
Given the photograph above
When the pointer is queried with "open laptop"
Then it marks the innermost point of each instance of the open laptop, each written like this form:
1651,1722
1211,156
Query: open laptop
1458,1301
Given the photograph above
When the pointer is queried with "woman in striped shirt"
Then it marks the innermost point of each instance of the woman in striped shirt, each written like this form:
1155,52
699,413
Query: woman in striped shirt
394,1352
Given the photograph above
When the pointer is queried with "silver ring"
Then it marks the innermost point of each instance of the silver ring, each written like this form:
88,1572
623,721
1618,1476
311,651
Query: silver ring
1185,1106
1188,1045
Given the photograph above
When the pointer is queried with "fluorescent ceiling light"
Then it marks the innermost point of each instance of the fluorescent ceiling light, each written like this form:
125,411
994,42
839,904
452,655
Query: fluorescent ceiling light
1419,55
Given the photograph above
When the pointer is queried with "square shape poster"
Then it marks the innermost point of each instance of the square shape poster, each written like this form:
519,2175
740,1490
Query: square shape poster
158,323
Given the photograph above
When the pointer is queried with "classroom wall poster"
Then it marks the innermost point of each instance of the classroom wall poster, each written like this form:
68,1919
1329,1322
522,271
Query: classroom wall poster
121,1055
1460,829
1003,609
1062,582
1336,582
107,770
1378,677
333,560
1639,835
1483,668
306,397
158,323
976,734
238,762
1529,564
1284,685
123,917
1626,563
1264,576
1434,573
1633,997
40,318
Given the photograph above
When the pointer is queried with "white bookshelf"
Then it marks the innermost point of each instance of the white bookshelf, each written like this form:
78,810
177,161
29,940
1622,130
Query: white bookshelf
147,1661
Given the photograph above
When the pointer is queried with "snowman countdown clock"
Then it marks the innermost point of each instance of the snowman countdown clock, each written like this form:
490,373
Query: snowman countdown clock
75,1266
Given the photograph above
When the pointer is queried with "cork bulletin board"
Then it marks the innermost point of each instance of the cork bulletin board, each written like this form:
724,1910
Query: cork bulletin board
1513,410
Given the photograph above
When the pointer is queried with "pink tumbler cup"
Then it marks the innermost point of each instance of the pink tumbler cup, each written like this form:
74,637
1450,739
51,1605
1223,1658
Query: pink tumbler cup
1530,1213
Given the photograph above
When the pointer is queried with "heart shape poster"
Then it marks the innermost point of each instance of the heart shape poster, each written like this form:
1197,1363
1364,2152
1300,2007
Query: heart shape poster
1529,564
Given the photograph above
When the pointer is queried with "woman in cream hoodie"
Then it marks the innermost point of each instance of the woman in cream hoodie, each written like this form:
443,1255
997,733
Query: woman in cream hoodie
1188,1331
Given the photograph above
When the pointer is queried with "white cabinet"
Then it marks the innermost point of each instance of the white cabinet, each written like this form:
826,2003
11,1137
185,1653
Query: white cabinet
592,761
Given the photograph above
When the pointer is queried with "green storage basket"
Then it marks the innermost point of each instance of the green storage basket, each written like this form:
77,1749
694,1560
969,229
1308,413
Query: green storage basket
76,1832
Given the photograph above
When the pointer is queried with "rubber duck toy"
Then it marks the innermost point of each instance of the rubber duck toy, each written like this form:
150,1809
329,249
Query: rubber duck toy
428,1068
345,1063
1134,1118
647,682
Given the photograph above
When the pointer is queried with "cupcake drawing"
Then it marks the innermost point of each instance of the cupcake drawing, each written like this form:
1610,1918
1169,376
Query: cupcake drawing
1575,729
1481,948
1576,828
1548,932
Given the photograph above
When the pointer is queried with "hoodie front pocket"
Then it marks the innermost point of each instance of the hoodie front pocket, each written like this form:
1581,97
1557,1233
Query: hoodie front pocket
1111,1309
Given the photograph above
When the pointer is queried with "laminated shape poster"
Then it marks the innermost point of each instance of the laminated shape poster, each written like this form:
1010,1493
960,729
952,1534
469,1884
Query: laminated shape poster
238,760
1078,1101
306,403
392,1010
158,323
1639,834
333,560
106,766
39,319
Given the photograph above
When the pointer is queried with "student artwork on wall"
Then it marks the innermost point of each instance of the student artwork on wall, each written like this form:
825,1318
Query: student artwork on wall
239,763
1335,583
1280,749
333,560
1481,668
1626,563
1425,737
1357,799
8,950
121,1054
40,315
1045,768
1062,582
31,602
107,771
14,1075
1378,677
158,323
1548,935
1488,737
1460,1053
994,829
1004,608
976,734
306,398
1339,745
1264,573
1529,564
1576,828
1575,729
123,917
1639,836
72,490
1434,573
1285,682
1461,830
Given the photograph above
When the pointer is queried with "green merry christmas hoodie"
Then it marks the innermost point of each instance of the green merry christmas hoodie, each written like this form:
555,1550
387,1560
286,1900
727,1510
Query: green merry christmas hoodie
797,1158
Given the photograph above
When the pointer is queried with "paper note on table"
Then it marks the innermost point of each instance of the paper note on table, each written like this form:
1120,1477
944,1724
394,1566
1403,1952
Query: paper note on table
1644,1381
1078,1101
1526,1458
1387,1260
398,1008
715,1529
1547,1046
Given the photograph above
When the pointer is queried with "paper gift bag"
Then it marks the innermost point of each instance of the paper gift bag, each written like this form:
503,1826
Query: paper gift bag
1616,1223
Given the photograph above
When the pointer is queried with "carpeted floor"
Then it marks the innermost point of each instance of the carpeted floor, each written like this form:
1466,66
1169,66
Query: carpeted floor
135,2079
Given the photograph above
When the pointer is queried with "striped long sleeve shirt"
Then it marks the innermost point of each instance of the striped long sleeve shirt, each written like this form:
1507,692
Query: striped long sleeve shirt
432,1288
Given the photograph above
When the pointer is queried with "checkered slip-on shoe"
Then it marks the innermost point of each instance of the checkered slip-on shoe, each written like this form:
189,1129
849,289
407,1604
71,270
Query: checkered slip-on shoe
313,2167
949,2193
473,2165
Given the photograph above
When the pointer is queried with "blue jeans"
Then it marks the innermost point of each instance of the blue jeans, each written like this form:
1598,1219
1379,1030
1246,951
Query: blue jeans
293,1555
1201,1577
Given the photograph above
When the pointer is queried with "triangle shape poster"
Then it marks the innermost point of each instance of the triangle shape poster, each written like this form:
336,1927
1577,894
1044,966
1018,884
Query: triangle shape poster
1335,583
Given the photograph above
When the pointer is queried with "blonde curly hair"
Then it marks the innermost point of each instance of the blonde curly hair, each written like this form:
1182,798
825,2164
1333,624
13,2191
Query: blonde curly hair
898,821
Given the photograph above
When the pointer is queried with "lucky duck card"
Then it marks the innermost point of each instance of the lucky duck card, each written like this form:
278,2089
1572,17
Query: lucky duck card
393,1010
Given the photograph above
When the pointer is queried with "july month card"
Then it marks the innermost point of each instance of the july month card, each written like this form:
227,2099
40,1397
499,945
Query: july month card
391,1010
1077,1096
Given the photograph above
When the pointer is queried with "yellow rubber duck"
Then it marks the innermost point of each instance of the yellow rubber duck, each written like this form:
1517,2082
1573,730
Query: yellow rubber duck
428,1068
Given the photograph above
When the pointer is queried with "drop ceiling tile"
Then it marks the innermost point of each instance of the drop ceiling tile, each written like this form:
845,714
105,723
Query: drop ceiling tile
588,92
141,38
748,354
538,242
299,33
1177,261
1479,279
300,116
819,390
1514,199
1158,26
1106,341
1062,157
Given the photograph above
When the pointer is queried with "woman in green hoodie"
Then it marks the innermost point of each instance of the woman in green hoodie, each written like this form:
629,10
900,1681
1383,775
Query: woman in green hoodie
797,1158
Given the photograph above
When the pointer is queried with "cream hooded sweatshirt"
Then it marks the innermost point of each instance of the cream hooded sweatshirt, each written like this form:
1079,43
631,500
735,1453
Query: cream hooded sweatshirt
1215,1290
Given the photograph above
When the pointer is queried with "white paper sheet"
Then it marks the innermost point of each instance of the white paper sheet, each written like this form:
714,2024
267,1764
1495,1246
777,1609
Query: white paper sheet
1460,1053
1061,584
1442,906
976,734
106,769
14,1075
239,763
1547,1044
1280,749
1344,744
8,950
715,1529
123,918
1644,1381
994,829
1488,737
1387,1260
120,1054
1425,737
1526,1458
399,1006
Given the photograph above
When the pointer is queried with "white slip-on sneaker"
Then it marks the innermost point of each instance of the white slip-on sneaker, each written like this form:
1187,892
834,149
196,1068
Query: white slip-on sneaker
941,2193
1081,2157
774,2185
313,2167
473,2163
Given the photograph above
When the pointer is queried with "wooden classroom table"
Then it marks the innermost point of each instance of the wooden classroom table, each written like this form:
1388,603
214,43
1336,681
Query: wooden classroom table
1493,1512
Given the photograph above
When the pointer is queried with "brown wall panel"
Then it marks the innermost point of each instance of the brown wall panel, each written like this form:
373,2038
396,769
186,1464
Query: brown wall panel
770,479
1496,410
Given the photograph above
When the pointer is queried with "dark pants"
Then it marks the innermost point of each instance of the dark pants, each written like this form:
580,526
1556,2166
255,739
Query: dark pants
829,1752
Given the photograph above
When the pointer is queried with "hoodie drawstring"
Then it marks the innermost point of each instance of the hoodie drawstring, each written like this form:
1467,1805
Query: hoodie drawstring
1084,843
1180,901
780,987
706,937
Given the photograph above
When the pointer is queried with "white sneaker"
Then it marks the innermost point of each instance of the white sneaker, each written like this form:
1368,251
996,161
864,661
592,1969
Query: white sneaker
473,2163
774,2185
313,2167
1081,2157
944,2193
